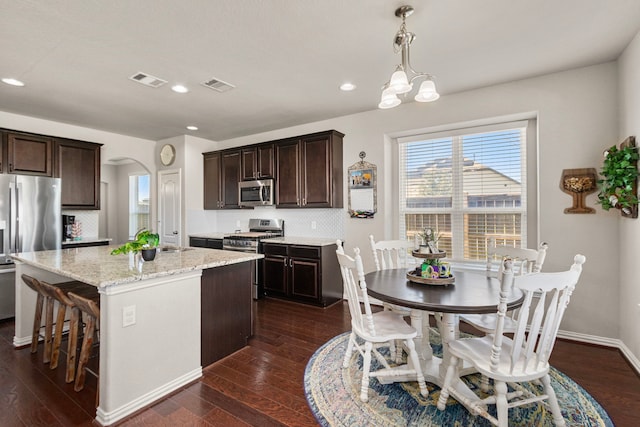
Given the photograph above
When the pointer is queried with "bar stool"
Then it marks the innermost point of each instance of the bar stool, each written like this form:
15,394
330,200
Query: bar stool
45,302
59,294
92,312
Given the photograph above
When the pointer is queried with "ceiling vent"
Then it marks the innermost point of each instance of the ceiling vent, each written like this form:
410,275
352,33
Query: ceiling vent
218,85
147,79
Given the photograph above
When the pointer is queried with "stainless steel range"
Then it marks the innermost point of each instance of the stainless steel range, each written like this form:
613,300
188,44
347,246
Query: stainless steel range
250,241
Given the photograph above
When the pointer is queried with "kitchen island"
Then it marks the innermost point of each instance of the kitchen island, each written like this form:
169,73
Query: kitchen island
151,314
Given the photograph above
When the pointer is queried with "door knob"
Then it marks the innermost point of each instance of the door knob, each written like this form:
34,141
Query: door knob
175,232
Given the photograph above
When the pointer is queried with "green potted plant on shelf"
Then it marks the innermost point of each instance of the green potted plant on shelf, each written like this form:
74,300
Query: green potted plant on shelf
144,242
620,172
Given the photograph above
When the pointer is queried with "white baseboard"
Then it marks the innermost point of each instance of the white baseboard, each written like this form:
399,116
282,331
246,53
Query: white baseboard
108,418
604,341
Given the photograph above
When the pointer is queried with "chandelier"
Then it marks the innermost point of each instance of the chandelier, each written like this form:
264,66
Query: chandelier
404,76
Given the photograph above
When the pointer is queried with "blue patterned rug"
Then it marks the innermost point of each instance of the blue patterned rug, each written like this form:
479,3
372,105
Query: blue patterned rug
333,396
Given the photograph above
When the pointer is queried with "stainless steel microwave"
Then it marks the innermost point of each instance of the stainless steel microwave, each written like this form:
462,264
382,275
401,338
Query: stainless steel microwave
256,193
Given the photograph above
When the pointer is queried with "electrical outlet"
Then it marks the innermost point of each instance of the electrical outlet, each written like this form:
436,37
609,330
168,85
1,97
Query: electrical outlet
313,225
238,223
128,316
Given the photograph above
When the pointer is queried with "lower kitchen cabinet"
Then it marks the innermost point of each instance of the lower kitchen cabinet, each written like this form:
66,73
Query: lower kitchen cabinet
306,274
202,242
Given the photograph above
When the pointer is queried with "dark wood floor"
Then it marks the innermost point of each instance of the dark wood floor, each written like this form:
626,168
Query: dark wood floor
261,385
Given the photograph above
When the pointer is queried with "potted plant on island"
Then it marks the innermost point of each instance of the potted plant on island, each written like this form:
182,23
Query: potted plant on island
144,242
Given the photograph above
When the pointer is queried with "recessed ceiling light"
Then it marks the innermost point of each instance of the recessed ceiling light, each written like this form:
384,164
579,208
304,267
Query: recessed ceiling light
346,87
192,127
12,82
179,88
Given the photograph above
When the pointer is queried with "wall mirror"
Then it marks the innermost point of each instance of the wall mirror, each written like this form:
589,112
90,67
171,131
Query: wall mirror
363,199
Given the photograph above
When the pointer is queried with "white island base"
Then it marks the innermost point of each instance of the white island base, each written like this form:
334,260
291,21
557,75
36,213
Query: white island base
146,360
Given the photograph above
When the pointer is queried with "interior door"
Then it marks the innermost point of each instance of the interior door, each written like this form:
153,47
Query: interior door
169,208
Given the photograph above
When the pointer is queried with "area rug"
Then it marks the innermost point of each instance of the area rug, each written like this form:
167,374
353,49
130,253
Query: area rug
333,396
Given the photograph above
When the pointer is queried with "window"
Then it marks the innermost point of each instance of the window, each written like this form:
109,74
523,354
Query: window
138,203
468,185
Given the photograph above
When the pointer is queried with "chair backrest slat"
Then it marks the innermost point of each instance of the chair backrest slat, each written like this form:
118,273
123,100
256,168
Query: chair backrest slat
389,254
546,297
525,261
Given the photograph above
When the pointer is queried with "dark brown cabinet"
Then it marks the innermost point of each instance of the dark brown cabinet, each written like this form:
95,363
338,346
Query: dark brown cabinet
212,193
29,154
205,242
221,178
226,310
309,171
307,274
258,162
78,165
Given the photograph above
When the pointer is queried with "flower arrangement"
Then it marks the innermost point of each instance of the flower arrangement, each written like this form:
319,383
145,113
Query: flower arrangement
620,173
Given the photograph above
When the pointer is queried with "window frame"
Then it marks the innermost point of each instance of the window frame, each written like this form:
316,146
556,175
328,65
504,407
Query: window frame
134,191
530,195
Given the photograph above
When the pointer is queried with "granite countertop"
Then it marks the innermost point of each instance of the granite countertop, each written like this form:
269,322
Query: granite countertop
307,241
209,235
96,266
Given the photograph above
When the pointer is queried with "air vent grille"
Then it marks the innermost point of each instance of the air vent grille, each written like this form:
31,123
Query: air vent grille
147,79
218,85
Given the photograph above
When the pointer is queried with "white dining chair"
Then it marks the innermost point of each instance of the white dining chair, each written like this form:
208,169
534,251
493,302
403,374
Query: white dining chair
524,261
525,357
375,329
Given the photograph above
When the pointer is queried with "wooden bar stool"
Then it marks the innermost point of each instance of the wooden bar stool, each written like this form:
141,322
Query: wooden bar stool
59,294
92,312
45,302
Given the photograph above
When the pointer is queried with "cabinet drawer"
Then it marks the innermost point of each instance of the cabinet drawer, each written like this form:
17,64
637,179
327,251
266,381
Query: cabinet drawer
270,249
304,252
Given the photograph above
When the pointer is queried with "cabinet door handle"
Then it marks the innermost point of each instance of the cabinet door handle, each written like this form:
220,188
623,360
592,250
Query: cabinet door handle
290,263
304,202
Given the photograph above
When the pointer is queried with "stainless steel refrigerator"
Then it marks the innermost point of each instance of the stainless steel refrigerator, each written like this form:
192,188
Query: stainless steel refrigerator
30,220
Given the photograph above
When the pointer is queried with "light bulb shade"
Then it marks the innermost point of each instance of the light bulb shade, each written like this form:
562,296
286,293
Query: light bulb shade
427,92
388,99
399,83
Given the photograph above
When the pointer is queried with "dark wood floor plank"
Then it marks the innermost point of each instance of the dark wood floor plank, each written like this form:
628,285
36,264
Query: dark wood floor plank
261,385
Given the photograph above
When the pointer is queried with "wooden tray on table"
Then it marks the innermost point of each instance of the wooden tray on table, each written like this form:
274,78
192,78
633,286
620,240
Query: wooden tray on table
411,276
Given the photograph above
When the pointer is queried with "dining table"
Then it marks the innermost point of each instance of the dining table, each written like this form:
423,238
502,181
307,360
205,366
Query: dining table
470,292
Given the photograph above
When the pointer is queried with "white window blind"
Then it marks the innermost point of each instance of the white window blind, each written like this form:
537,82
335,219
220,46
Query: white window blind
468,185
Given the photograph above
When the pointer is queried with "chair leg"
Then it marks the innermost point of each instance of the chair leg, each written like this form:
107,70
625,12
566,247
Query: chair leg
484,383
416,365
349,352
72,347
502,406
558,420
37,321
366,365
57,338
48,330
87,343
448,379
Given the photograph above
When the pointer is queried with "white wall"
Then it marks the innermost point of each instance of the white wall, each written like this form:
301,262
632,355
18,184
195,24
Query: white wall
577,119
629,234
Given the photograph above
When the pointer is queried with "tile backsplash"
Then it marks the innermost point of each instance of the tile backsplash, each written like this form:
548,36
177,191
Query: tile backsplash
89,221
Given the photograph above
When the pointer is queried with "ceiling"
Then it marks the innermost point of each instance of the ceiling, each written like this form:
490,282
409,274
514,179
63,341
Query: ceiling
286,58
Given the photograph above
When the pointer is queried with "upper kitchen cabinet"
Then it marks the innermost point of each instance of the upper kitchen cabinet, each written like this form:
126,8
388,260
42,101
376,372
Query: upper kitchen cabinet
29,154
212,193
257,162
221,177
77,163
309,171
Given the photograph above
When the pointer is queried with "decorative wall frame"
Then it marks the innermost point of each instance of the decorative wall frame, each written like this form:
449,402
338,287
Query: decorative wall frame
619,183
579,183
363,198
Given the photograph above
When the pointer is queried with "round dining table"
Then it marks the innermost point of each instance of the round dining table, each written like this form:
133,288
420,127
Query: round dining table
470,293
